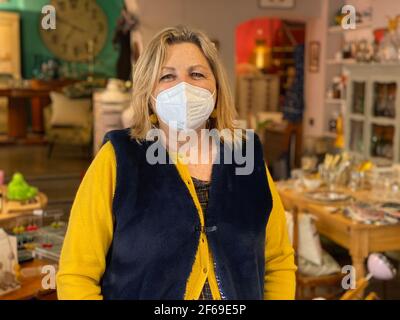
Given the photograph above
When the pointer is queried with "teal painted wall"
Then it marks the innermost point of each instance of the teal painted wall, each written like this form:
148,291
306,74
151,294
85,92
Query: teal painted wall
31,42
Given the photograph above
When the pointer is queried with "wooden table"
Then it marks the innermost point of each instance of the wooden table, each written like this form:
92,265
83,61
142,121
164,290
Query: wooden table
31,288
17,115
360,239
37,94
8,212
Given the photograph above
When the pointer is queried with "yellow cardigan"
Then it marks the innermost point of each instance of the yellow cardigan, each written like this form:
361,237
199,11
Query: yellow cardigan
90,232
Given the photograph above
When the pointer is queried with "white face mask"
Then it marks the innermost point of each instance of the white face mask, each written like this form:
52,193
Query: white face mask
185,106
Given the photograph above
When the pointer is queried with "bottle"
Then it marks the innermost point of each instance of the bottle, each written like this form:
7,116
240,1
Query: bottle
339,142
333,122
337,87
262,55
346,53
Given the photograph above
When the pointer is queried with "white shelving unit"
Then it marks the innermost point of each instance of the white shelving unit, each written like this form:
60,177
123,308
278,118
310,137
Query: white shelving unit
336,36
335,101
339,29
340,62
372,118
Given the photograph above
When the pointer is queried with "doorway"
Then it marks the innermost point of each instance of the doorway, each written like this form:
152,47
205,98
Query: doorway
269,56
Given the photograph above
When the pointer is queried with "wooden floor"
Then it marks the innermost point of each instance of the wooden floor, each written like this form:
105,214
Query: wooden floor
58,177
32,160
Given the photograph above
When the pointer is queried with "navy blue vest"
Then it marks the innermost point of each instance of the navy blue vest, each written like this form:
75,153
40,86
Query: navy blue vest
156,227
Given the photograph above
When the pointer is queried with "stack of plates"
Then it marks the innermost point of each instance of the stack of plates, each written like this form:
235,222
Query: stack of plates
328,196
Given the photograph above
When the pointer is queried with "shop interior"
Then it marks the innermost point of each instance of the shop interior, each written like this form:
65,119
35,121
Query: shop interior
321,89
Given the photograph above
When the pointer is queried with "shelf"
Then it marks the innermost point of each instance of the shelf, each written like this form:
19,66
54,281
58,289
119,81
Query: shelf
335,101
341,62
357,117
383,121
282,49
286,61
329,134
340,30
352,62
373,64
381,161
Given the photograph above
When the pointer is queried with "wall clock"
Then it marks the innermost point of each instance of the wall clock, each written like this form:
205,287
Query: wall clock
78,22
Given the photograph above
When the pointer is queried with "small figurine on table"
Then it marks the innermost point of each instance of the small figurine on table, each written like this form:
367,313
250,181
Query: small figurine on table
18,189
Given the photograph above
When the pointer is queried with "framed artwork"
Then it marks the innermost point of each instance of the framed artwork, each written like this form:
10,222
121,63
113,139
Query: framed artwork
314,56
276,4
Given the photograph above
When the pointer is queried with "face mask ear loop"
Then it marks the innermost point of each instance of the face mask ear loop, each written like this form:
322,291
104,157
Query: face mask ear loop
213,114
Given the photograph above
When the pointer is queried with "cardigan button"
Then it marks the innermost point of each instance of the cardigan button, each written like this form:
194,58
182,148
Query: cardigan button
205,270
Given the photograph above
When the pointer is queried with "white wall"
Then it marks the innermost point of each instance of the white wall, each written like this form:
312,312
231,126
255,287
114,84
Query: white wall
314,87
218,18
381,9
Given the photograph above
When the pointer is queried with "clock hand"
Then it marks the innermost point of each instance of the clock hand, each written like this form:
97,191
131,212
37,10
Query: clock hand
69,34
62,20
74,27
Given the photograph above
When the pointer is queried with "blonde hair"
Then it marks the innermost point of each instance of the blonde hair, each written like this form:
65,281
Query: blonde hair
147,71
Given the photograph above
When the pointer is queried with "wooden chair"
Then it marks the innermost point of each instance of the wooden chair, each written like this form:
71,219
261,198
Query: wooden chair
80,136
304,282
357,293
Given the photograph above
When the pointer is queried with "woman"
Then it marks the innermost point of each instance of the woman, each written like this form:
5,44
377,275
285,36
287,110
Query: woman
180,229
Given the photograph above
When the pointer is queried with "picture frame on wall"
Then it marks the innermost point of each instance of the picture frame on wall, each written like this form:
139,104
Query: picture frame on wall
276,4
314,56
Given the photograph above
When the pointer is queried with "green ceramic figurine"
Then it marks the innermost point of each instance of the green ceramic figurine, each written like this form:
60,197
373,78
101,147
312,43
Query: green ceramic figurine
18,189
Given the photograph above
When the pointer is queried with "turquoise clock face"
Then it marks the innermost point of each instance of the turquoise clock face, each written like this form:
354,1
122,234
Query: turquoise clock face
80,24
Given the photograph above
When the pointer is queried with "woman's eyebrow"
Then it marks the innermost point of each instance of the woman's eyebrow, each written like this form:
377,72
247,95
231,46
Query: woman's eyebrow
167,69
198,66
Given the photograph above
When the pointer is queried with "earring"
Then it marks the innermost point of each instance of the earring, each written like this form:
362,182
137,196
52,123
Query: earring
214,114
153,119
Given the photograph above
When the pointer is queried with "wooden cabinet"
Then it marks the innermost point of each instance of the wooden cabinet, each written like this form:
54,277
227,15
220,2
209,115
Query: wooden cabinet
10,50
257,93
373,111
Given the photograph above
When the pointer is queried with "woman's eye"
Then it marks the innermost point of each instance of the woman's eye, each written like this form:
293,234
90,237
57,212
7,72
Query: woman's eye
197,75
167,77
